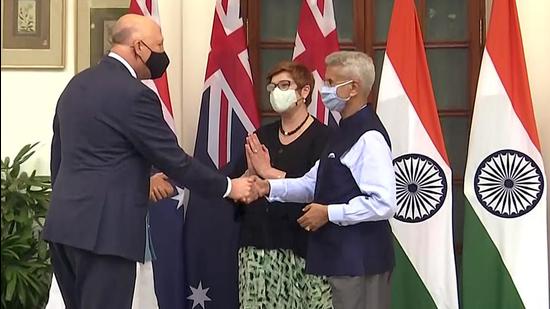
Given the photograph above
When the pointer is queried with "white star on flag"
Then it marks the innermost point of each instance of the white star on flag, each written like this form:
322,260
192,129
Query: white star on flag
198,296
180,197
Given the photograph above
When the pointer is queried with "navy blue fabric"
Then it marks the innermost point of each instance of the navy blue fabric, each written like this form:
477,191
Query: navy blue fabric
355,250
108,132
166,221
212,226
88,280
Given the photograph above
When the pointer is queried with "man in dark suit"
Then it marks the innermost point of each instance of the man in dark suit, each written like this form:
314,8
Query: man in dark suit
108,132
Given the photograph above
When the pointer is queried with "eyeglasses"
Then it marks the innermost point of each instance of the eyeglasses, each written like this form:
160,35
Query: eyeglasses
283,85
330,83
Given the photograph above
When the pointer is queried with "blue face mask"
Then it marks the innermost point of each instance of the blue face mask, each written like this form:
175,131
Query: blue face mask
331,100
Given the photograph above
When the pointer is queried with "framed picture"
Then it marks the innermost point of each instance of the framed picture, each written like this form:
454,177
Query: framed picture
33,33
95,20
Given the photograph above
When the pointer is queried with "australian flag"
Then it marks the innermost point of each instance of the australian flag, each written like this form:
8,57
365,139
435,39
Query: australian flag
228,113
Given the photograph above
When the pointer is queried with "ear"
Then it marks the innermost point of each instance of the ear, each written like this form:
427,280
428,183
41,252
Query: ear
138,46
354,89
306,90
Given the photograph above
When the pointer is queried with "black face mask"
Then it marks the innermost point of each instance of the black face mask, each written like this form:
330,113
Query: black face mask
157,63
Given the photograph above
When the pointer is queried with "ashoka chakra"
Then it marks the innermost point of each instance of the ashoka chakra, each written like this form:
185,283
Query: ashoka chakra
508,183
421,187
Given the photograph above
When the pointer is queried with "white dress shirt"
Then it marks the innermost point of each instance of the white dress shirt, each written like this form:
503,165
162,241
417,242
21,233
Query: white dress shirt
370,163
123,61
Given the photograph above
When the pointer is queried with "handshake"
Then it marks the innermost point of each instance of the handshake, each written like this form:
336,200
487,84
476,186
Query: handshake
247,189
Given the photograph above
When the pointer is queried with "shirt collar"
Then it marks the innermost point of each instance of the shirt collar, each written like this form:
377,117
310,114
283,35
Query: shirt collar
126,64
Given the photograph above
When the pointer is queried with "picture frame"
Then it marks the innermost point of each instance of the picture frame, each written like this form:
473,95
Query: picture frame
94,21
33,34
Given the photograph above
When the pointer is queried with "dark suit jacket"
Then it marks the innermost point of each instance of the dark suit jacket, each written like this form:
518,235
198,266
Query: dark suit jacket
108,132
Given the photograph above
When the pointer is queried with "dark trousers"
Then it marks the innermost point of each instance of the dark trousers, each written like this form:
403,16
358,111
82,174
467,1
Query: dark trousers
91,281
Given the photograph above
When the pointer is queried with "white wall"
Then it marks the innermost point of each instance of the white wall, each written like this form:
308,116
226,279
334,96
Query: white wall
28,99
197,18
534,16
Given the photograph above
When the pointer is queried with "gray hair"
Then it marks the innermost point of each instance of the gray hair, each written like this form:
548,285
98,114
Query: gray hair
355,64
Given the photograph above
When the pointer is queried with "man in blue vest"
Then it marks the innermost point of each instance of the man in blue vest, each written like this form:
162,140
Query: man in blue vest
351,190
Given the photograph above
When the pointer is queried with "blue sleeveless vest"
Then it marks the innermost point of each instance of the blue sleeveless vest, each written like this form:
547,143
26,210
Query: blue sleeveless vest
356,250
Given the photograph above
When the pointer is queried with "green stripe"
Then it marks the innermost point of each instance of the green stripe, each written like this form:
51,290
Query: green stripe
408,290
486,282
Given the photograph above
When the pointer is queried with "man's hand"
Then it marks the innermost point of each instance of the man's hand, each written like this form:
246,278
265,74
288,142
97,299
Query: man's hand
316,215
261,186
159,187
242,189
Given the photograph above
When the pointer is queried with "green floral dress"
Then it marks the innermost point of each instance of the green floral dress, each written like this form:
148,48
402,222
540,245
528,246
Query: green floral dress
276,279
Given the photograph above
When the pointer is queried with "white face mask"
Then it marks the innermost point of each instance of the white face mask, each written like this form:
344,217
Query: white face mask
282,100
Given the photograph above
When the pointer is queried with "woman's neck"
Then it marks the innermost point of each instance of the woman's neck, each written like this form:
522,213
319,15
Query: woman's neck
293,119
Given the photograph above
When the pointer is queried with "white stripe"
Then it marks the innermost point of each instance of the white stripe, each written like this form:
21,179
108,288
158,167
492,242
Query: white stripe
325,21
230,21
316,100
165,112
428,244
144,288
55,300
243,58
520,241
143,7
228,130
299,47
217,84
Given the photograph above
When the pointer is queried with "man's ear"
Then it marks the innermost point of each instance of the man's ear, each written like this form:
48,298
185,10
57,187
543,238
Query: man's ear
354,89
137,45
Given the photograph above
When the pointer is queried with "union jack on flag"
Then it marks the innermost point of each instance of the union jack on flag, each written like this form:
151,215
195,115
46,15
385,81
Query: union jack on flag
316,38
228,113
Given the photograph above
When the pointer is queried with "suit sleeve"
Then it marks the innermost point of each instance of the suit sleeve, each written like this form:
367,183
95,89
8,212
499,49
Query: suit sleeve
149,133
55,156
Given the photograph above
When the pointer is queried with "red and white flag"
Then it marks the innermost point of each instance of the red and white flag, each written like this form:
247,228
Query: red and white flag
316,38
424,275
150,8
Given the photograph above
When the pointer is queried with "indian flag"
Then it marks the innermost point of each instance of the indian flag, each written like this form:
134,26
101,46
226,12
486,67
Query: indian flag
505,257
425,275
